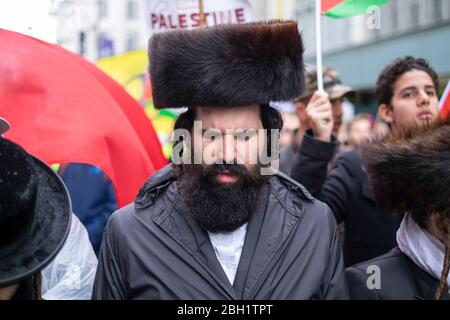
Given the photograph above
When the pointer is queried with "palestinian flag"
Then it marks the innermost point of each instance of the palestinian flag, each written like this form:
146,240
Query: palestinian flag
348,8
444,104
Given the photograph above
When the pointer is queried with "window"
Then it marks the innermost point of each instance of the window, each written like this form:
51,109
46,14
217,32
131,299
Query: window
132,10
131,41
437,10
414,13
105,46
102,9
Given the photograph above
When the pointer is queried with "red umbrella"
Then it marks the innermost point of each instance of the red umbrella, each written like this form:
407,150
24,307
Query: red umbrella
62,109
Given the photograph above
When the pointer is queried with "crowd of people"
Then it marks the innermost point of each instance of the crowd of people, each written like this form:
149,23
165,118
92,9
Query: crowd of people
360,211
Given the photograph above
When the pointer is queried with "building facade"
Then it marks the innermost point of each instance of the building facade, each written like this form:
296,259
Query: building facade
360,47
101,28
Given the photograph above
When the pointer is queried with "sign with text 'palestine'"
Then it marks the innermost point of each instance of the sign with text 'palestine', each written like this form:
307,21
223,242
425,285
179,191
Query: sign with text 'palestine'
164,15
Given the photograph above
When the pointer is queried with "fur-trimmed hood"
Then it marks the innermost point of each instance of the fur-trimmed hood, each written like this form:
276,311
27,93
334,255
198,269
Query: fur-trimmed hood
227,65
411,171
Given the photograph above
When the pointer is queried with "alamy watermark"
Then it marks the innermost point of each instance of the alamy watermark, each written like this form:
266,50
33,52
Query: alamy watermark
373,21
211,146
373,282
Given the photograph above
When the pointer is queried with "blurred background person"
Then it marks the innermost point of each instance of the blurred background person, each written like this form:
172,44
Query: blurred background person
290,126
380,129
290,121
407,95
359,130
93,198
335,94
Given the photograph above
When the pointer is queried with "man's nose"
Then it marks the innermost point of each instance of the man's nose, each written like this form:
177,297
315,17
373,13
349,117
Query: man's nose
423,98
229,149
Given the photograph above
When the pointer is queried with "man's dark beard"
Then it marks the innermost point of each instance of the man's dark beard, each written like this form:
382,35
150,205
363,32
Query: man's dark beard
220,207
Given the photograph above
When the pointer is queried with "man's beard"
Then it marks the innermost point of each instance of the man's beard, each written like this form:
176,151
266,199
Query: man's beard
218,206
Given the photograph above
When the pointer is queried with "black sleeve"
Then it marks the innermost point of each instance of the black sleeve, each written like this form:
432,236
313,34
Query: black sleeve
108,284
357,284
311,162
311,168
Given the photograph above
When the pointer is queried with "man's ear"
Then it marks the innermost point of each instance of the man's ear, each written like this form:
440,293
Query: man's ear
299,105
301,110
385,113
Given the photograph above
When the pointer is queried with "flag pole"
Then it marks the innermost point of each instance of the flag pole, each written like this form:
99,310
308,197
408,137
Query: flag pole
201,13
319,46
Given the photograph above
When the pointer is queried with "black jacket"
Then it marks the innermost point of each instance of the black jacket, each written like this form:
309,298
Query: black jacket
400,279
154,249
369,232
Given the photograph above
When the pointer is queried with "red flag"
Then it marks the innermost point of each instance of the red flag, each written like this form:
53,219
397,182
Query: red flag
444,104
327,5
64,109
348,8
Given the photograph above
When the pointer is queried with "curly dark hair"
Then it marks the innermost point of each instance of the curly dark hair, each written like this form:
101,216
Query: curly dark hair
390,74
270,117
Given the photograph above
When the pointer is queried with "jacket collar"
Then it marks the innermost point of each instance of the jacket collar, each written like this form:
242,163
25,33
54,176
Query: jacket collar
152,188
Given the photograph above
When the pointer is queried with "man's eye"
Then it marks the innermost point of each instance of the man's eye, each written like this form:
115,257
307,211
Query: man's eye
241,137
431,93
407,95
244,136
210,137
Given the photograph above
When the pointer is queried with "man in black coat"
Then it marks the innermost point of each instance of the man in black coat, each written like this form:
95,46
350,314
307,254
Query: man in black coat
219,223
369,231
418,268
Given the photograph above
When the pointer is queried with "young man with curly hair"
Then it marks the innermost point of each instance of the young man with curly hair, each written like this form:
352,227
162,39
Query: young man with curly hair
407,94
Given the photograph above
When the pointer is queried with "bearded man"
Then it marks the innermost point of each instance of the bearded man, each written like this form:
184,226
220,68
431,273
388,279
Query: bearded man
218,224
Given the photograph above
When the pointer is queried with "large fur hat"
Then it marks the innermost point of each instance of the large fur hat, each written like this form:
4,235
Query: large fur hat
410,171
227,65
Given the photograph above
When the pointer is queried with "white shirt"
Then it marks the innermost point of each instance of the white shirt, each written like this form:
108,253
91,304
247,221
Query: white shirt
228,249
424,249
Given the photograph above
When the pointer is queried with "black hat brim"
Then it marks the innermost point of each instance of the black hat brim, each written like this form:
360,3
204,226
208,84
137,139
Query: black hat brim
4,125
46,233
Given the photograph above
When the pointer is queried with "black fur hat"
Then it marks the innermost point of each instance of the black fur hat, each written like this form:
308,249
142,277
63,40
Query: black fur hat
411,171
227,65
